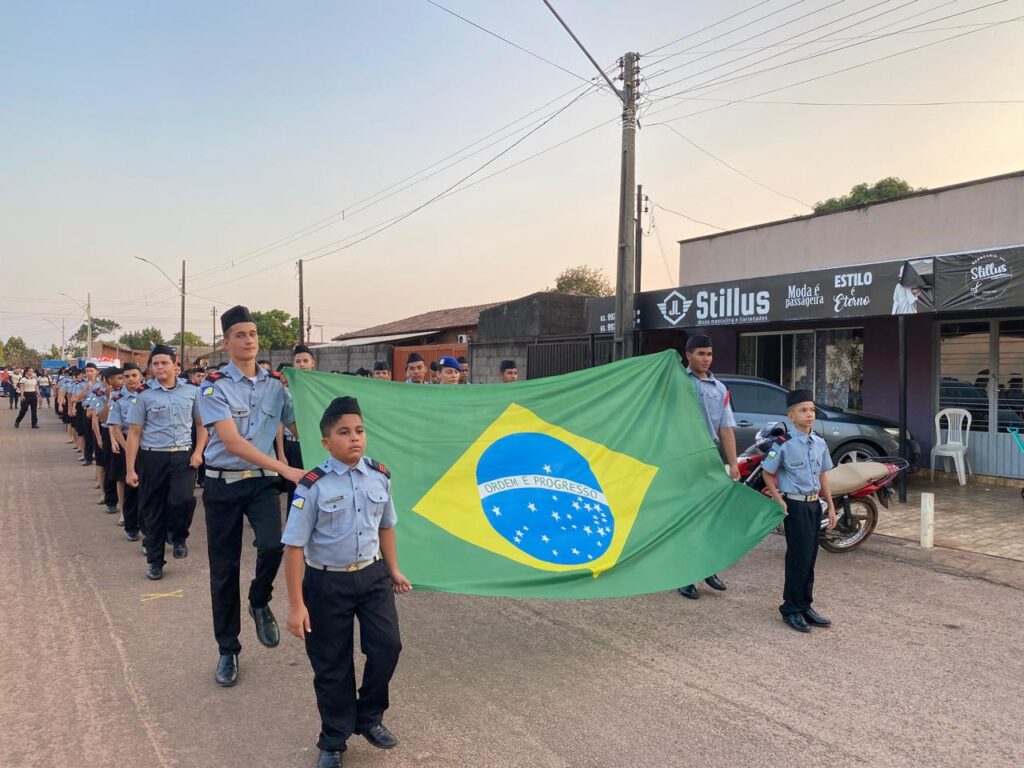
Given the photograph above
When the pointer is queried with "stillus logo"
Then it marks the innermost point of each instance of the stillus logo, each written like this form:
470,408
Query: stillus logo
989,277
674,307
732,304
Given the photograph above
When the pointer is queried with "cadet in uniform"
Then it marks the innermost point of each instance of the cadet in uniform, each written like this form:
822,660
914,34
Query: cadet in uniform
450,372
86,439
160,423
303,359
415,369
242,405
113,379
794,471
719,419
382,371
509,371
341,515
117,425
463,370
435,372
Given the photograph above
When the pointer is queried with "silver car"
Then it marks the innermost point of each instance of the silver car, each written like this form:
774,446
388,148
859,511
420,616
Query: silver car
851,435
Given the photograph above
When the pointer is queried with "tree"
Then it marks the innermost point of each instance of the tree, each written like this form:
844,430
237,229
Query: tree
100,327
583,281
143,339
277,329
17,354
55,353
191,340
886,189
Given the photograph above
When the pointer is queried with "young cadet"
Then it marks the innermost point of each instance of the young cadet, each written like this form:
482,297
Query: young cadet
382,371
794,471
509,371
114,380
718,418
117,425
463,370
341,515
449,370
303,359
243,405
415,369
160,423
86,440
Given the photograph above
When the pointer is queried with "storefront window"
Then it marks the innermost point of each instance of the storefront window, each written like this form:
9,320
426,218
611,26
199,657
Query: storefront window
964,372
829,363
1010,379
840,367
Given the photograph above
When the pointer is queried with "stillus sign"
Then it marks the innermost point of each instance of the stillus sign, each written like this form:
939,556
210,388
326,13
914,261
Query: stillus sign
964,281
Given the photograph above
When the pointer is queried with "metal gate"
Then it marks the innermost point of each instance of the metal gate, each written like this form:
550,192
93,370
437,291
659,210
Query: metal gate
552,358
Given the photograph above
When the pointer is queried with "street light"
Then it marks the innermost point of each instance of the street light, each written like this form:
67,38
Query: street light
181,288
60,328
88,319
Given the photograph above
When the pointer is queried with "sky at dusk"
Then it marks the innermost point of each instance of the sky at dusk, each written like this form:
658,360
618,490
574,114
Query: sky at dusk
218,133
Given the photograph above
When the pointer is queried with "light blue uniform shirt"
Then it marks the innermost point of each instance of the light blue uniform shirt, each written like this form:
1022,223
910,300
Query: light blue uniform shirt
119,406
166,416
96,397
798,463
114,412
256,408
714,400
338,517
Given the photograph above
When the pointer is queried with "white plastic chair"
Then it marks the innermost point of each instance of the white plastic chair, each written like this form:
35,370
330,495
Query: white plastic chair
958,432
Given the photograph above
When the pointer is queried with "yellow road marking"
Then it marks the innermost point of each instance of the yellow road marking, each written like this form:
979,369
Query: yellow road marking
157,595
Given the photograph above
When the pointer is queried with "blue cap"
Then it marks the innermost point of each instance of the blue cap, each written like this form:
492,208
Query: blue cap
449,362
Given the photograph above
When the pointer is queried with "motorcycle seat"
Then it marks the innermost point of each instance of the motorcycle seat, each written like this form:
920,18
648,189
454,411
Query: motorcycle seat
847,478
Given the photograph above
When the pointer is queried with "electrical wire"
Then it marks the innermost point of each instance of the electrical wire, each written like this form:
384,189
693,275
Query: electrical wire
649,53
509,42
733,168
661,247
834,72
688,218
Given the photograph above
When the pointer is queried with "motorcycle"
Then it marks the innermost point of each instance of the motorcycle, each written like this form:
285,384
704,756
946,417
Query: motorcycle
854,486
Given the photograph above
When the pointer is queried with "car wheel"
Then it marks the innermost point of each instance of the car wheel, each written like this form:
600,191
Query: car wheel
854,452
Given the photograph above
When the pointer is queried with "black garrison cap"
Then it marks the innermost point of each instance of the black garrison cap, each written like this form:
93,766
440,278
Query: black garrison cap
698,341
237,314
798,396
162,349
507,365
380,365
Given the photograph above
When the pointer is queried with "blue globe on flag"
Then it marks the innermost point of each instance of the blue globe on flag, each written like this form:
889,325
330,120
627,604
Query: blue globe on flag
541,495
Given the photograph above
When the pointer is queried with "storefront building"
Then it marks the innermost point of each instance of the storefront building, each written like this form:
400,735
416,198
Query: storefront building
818,302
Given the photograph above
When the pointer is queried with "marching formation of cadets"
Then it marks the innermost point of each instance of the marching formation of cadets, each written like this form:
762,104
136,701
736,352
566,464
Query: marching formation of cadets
154,435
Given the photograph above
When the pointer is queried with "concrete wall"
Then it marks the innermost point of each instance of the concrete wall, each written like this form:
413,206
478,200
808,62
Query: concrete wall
329,357
533,316
986,214
485,358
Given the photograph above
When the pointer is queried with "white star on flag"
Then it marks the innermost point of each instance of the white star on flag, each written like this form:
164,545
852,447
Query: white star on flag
576,506
547,468
545,539
586,530
532,507
555,516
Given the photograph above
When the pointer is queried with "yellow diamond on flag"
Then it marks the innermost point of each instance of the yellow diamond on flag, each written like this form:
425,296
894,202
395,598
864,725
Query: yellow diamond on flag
539,495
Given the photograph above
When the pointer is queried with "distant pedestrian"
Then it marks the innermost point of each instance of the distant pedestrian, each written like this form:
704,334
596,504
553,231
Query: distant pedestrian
45,388
28,388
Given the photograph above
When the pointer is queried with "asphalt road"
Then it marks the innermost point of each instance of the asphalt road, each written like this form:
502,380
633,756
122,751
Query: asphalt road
922,668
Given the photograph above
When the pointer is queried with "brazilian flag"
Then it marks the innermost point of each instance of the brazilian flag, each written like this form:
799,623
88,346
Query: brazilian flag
599,483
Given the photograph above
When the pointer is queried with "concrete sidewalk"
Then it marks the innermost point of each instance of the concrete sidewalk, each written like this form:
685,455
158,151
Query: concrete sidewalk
987,519
922,667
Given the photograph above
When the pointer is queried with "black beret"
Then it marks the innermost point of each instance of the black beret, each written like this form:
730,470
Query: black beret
462,360
282,366
433,366
130,367
798,396
415,357
342,405
108,373
507,365
380,365
237,314
699,341
301,348
162,349
90,365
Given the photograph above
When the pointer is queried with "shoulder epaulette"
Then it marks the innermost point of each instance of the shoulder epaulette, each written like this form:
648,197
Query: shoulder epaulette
214,376
780,439
379,467
311,477
275,374
116,396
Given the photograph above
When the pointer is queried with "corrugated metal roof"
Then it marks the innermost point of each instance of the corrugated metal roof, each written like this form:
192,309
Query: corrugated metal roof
428,322
366,340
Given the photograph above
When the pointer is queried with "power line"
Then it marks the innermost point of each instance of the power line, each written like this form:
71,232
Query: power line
688,218
722,81
867,103
834,72
703,29
661,247
733,168
509,42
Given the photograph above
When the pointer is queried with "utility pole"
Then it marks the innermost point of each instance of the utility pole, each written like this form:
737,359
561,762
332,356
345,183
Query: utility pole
638,238
625,300
213,338
309,323
302,309
181,346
